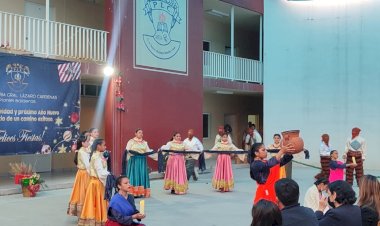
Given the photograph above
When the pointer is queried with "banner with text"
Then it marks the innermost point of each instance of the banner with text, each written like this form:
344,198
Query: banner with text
39,105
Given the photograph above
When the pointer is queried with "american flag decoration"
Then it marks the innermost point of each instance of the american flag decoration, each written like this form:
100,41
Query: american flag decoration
69,72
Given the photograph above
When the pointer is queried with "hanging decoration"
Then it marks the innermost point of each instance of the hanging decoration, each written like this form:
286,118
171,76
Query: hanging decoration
119,94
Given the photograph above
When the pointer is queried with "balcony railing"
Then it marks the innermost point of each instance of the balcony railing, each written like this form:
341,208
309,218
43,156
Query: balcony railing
51,38
223,66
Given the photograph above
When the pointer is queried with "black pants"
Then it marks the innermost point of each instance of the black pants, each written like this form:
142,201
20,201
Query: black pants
190,168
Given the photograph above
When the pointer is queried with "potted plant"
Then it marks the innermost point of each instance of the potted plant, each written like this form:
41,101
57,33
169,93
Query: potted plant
31,185
20,170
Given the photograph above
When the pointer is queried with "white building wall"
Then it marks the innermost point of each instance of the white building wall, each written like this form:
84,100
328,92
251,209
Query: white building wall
322,71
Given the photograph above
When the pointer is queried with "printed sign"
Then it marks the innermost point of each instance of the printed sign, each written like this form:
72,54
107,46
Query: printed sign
39,105
160,40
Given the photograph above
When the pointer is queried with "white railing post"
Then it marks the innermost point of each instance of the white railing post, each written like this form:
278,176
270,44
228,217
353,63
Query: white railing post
232,67
261,50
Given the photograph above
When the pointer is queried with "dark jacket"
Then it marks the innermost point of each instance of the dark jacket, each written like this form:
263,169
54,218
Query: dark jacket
297,215
346,215
370,217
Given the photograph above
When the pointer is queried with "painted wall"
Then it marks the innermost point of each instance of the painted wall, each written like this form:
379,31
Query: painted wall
159,103
219,105
322,72
76,12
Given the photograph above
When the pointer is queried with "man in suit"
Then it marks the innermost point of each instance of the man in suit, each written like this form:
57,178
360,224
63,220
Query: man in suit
293,214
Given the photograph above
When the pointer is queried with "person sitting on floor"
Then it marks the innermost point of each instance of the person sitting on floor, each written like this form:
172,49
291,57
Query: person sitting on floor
122,210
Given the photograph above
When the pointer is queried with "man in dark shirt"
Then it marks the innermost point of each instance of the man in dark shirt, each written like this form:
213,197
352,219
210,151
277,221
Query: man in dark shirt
293,214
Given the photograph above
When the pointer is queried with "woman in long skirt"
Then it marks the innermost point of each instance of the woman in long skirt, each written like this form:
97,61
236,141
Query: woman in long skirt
175,174
82,178
137,170
223,179
95,206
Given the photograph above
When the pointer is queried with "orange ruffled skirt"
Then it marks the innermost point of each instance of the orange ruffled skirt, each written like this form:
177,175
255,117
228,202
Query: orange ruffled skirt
94,210
78,193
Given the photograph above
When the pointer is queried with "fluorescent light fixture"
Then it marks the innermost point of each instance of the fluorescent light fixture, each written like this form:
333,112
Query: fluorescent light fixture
224,92
327,2
217,13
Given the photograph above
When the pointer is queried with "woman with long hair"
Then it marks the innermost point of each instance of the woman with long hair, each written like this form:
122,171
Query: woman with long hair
122,209
266,172
175,174
82,178
369,200
137,169
95,206
266,213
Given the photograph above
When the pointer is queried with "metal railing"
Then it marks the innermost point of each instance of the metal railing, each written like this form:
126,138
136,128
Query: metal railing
50,38
223,66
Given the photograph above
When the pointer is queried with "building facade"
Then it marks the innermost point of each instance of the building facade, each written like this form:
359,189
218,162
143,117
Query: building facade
211,75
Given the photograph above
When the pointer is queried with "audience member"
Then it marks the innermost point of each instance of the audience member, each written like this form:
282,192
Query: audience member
293,214
369,200
316,193
341,198
266,213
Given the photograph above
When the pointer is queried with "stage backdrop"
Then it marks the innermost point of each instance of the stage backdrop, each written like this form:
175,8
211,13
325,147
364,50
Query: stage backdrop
39,105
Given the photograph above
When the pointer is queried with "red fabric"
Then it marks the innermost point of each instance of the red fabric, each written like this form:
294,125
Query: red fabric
266,191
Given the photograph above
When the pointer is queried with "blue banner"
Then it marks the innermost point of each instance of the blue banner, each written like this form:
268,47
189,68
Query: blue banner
39,105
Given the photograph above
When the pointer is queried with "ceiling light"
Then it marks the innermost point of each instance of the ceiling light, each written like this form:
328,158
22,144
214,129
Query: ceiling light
224,92
217,13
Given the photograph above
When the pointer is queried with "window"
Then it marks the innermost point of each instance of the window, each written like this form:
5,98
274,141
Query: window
90,90
206,125
81,89
206,46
